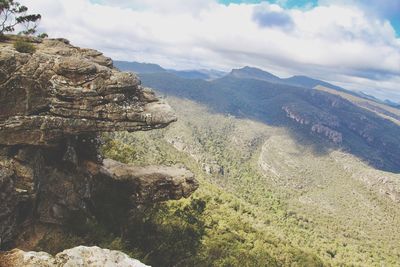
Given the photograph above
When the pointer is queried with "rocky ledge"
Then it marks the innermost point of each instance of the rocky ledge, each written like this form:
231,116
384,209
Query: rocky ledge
53,105
62,90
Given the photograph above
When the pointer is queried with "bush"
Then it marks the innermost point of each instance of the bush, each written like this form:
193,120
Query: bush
24,47
43,35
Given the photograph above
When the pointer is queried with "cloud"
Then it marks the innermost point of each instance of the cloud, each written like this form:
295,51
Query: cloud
170,6
336,42
381,8
266,16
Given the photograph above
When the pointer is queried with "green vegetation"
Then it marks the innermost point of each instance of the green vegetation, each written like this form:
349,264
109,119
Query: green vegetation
24,47
264,200
267,195
224,225
43,35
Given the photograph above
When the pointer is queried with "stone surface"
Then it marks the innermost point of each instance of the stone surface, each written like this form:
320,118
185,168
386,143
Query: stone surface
62,90
76,257
152,183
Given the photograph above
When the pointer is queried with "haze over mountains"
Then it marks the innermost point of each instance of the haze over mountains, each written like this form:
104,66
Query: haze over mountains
365,128
154,68
243,73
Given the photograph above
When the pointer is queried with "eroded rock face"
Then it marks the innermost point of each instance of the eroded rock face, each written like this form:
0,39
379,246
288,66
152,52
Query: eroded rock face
53,104
151,183
347,126
79,257
63,90
319,122
332,135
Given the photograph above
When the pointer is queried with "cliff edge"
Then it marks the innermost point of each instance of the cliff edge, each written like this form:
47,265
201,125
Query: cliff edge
53,105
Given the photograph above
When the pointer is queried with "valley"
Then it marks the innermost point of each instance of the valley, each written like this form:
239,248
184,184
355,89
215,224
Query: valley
217,133
318,203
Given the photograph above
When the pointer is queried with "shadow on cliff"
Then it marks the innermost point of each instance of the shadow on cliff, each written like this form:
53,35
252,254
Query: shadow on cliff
341,124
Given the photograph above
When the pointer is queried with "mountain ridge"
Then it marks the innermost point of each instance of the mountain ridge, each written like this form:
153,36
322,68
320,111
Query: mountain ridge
246,72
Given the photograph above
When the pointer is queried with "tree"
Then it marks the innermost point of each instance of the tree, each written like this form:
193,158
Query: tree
12,14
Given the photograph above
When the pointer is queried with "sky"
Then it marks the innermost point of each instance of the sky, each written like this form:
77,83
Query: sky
351,43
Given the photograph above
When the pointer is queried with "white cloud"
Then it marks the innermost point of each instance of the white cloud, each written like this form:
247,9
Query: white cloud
335,42
170,6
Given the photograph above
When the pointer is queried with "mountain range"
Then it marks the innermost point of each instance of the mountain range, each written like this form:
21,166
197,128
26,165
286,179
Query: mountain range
154,68
309,108
244,73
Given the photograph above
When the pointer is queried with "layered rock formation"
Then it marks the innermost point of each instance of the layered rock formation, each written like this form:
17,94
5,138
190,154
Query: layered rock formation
320,122
63,90
53,104
353,128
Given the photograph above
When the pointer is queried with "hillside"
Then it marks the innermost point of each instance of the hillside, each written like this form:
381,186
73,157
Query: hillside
386,111
138,67
326,119
268,194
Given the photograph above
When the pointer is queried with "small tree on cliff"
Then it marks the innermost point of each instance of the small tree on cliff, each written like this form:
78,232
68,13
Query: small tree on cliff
12,14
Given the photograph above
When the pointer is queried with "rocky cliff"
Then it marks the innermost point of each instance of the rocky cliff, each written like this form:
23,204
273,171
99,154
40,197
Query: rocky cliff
53,105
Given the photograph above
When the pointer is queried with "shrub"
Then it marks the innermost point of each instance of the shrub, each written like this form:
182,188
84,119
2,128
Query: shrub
24,47
43,35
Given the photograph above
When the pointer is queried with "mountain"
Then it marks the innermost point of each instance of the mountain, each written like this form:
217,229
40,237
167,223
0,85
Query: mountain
137,67
202,74
392,104
190,74
244,73
259,74
254,73
370,103
308,82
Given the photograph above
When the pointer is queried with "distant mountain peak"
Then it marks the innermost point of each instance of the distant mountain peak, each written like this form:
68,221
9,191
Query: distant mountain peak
143,68
138,67
248,72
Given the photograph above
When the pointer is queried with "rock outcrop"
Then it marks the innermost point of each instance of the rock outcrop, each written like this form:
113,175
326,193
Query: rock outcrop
63,90
53,105
147,184
347,125
77,257
319,122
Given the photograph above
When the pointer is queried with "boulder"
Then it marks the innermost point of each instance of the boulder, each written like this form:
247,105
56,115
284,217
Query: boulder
78,257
